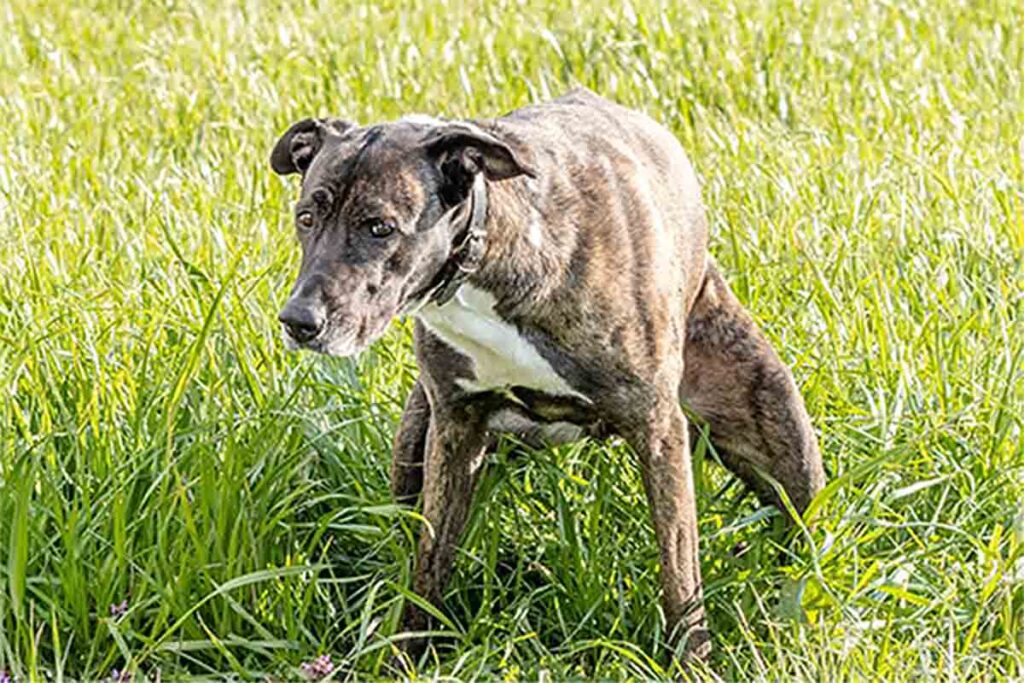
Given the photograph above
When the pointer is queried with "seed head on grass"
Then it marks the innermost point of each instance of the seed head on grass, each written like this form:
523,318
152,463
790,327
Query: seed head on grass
118,610
321,667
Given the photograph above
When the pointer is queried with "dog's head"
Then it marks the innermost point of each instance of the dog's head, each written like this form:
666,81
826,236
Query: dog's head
375,219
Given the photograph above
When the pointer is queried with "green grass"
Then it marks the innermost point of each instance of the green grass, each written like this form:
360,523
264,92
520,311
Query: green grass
863,166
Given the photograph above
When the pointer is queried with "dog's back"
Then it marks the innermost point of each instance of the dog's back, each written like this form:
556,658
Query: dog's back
624,237
621,160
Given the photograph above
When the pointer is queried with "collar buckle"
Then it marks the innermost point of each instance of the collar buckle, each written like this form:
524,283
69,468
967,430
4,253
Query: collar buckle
466,258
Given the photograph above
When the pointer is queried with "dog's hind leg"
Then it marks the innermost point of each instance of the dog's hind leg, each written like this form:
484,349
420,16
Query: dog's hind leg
409,447
658,435
736,383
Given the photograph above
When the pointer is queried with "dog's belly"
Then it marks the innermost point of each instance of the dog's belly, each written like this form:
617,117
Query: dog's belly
502,358
534,433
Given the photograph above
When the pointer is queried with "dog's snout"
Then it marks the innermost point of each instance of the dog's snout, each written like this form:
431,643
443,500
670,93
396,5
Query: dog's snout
303,319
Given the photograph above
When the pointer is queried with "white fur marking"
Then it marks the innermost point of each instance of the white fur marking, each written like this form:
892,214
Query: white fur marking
535,236
501,357
423,119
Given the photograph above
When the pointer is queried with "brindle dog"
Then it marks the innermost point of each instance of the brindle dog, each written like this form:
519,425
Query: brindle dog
555,260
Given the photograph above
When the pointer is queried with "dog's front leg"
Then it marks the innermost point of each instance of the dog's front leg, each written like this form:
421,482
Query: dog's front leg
410,447
661,442
454,454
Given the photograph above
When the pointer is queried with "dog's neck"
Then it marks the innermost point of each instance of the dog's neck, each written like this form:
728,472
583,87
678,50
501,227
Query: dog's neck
525,258
468,253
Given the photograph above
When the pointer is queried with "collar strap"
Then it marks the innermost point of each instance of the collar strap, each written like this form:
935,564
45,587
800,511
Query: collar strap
468,255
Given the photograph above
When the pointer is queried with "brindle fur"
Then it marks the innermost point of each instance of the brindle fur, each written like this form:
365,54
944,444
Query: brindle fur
620,297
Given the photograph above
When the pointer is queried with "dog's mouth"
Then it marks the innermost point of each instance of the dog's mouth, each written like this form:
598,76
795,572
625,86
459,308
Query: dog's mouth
327,343
341,340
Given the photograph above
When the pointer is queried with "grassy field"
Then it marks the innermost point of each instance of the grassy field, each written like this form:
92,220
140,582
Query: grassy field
180,497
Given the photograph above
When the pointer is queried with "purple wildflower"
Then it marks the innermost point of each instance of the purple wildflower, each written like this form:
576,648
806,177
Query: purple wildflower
118,610
320,667
5,677
118,676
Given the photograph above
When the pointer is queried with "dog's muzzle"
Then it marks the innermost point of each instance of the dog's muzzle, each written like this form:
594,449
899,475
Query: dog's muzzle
303,319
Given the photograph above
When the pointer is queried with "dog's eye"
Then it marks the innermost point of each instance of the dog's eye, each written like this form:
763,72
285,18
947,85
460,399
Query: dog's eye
305,220
379,227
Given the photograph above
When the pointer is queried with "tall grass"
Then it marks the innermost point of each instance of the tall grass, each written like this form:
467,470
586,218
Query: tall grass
180,497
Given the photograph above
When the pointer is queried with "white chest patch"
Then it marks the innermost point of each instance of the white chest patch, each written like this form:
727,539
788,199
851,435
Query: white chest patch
501,357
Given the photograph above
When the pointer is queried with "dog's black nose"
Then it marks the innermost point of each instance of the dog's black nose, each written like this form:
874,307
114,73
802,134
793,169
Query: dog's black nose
303,320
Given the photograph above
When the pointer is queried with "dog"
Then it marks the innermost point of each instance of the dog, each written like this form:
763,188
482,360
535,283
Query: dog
555,260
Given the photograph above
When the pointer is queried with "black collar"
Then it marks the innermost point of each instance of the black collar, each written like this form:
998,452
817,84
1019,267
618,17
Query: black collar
467,255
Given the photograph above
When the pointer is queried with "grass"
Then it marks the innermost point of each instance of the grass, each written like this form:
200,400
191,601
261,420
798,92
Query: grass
863,165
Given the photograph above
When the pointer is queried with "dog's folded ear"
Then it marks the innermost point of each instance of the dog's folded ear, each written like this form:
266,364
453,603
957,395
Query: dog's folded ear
476,150
295,151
